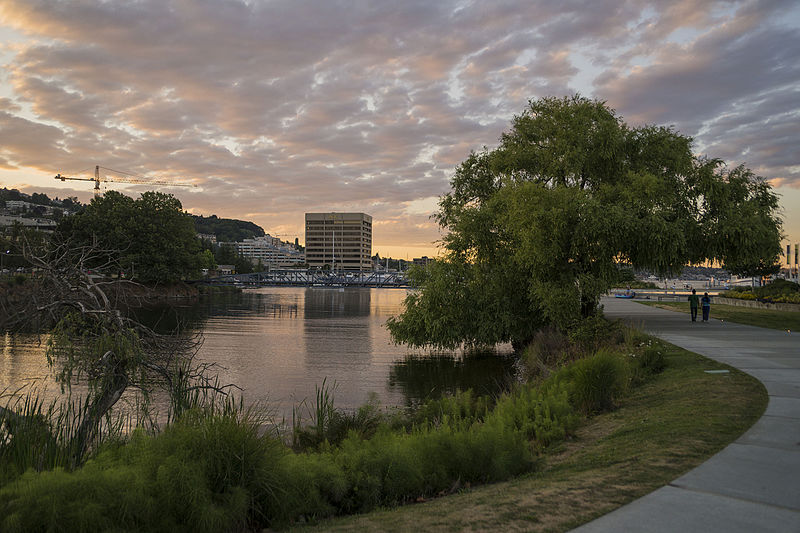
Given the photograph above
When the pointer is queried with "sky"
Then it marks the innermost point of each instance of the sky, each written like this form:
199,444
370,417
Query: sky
276,108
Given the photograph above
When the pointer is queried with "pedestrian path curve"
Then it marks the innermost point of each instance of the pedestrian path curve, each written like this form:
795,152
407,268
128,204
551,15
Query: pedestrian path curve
752,485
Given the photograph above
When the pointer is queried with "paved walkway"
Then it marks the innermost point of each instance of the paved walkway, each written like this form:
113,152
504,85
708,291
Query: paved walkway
752,485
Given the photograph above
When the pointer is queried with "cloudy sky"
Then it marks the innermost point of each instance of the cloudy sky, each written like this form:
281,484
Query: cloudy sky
278,107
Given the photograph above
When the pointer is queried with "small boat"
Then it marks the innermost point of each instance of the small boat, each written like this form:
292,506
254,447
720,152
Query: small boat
627,294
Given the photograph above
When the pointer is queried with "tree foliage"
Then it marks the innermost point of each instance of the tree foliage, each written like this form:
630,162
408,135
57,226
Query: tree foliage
151,238
536,228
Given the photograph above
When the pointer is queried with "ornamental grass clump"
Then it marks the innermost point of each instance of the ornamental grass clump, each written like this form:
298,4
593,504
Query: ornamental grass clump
599,381
594,383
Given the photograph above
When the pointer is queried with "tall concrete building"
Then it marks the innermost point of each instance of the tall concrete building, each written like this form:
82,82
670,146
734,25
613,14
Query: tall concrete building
340,241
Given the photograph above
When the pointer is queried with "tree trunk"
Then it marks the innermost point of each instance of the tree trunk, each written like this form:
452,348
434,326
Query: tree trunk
113,388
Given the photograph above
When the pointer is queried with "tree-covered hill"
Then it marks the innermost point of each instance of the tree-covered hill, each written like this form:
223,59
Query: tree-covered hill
40,199
227,229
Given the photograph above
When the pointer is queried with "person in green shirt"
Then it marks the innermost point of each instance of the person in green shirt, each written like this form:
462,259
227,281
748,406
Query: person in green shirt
694,303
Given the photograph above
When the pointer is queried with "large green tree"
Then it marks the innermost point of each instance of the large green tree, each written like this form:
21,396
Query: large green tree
150,238
535,229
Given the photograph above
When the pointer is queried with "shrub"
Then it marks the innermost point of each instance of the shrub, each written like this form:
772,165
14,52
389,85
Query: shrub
779,291
543,414
548,350
592,332
463,405
329,425
596,382
652,359
741,295
364,422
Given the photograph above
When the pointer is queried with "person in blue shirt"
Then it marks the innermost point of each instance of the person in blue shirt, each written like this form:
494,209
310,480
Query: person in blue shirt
705,301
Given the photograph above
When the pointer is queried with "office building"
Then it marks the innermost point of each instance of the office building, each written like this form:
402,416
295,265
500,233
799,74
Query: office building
339,241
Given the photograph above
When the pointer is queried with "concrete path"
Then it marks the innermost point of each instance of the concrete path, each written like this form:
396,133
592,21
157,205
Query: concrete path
753,485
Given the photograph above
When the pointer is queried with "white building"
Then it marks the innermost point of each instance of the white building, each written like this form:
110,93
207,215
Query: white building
271,251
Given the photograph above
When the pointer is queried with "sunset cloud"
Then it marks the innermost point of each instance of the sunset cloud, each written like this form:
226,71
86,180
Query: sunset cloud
282,107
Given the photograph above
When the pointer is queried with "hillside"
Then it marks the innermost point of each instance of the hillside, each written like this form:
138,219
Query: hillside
227,229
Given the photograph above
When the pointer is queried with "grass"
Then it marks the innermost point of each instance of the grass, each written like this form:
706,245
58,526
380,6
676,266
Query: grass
763,318
665,427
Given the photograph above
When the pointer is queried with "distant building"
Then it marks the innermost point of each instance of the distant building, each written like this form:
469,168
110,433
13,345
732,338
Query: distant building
422,261
226,270
42,224
208,237
271,251
339,241
19,206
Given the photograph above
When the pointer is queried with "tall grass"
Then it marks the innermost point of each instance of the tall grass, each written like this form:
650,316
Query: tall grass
41,435
203,472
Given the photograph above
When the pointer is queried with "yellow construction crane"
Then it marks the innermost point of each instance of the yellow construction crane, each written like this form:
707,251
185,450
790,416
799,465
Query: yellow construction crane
125,177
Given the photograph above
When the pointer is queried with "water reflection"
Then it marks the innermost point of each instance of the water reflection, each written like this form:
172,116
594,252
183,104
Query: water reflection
22,361
422,377
336,302
279,343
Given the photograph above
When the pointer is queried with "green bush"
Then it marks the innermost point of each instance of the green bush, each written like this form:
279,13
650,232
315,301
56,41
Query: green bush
779,291
314,487
329,425
463,405
543,414
595,383
592,332
652,359
549,349
741,295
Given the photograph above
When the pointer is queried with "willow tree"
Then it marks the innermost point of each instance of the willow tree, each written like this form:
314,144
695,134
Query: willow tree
535,229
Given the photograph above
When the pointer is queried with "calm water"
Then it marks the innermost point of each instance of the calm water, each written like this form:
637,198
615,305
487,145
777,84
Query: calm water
278,344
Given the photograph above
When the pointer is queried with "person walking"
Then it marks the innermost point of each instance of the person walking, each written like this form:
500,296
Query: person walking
694,303
706,303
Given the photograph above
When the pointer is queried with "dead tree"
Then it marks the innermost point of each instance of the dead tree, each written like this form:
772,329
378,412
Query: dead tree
73,296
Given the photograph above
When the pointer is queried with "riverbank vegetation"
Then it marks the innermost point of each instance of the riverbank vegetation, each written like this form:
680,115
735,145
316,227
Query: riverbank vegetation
660,429
215,467
762,318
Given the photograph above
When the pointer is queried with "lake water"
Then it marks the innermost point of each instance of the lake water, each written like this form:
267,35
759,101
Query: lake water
279,343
